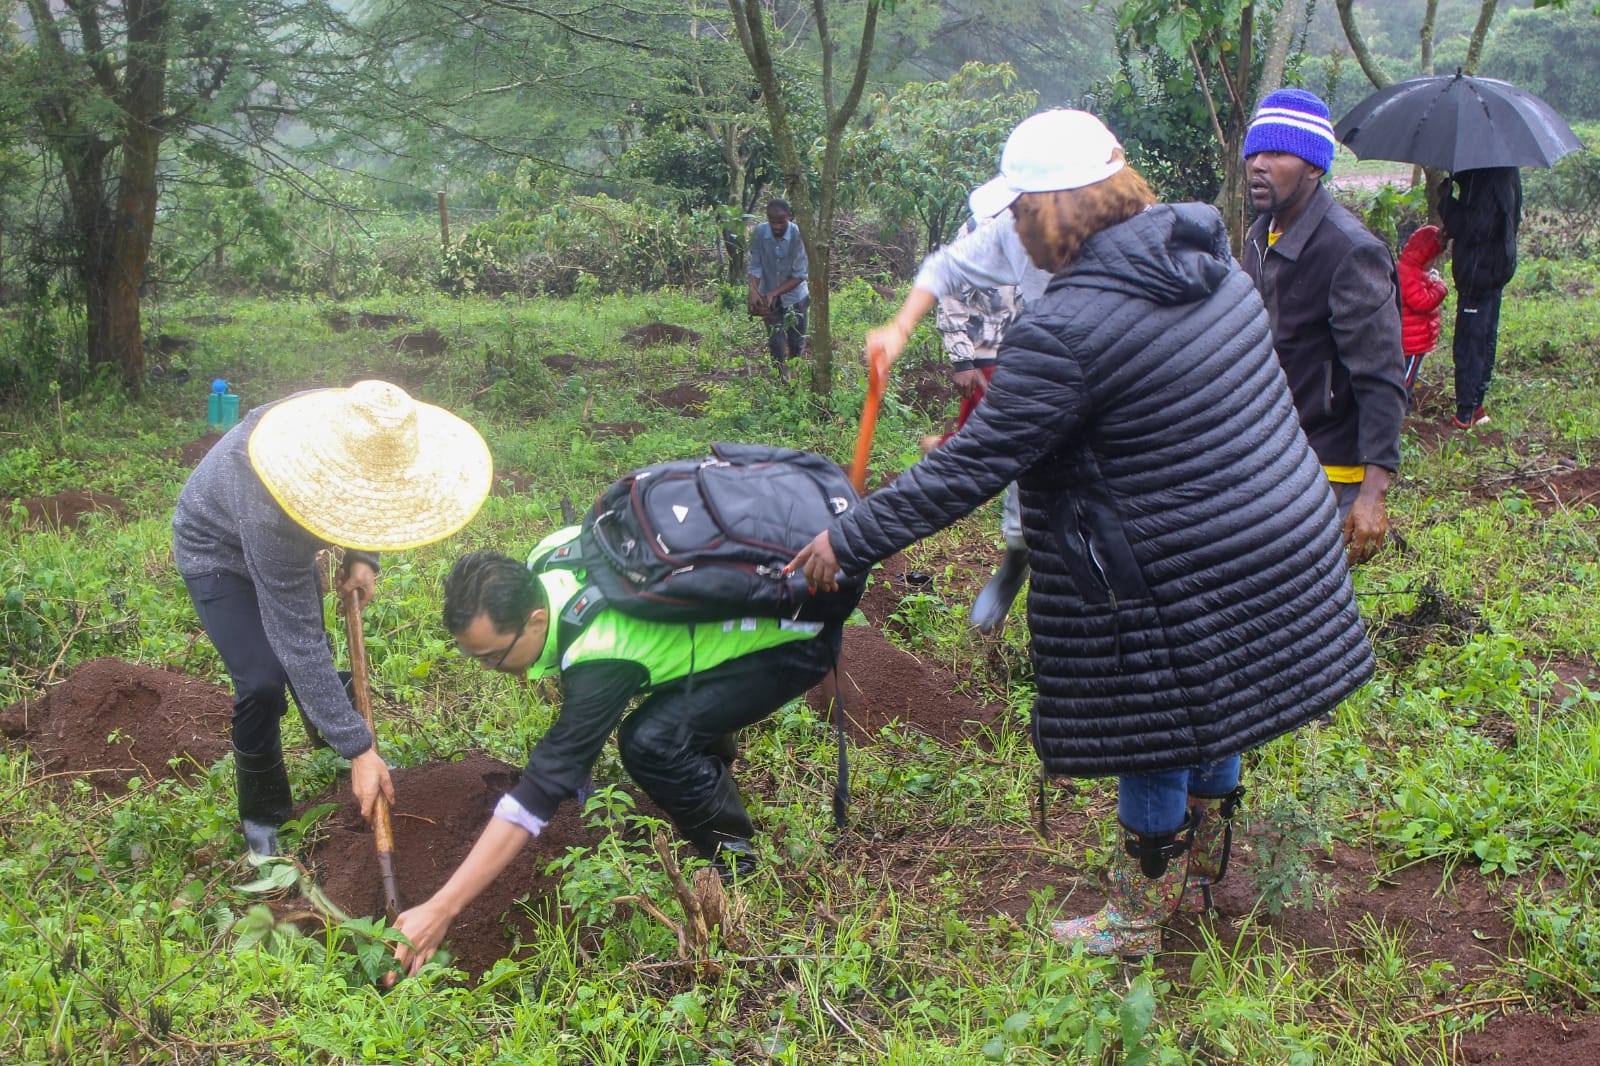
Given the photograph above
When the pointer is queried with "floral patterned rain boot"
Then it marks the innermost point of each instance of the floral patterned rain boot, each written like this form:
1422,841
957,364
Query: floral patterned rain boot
1212,818
1147,879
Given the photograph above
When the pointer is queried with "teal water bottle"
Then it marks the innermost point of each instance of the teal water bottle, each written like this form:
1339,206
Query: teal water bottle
222,406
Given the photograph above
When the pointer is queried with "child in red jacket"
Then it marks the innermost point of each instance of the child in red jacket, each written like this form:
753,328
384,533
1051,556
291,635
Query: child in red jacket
1422,290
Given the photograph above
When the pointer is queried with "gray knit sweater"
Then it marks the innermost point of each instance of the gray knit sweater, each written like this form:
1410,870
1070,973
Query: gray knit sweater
227,522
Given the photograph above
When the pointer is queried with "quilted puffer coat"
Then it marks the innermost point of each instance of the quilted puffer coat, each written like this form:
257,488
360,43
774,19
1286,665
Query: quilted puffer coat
1189,597
1421,292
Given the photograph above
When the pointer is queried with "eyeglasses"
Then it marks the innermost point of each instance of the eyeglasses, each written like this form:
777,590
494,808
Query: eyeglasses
500,656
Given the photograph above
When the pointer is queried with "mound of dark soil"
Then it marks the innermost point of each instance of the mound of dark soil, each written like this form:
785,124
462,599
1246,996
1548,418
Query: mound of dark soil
111,720
652,334
439,810
881,684
190,454
686,399
66,510
427,341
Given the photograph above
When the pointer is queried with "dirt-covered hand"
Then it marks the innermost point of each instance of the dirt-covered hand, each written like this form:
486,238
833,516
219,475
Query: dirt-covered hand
1365,528
425,926
355,575
369,776
818,563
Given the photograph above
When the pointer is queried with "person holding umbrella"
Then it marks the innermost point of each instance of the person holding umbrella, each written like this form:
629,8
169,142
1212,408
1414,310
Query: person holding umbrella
1480,130
1190,598
365,469
1481,209
1329,286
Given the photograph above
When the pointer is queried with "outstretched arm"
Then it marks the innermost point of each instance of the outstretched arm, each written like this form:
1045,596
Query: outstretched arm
426,924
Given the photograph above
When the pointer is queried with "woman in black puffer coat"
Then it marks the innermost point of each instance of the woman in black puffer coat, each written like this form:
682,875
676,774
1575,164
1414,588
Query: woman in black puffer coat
1190,599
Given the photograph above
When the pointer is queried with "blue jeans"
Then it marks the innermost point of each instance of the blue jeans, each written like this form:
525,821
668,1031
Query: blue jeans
1151,804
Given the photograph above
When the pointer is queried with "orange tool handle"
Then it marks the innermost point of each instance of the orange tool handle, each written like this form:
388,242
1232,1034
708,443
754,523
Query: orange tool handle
877,381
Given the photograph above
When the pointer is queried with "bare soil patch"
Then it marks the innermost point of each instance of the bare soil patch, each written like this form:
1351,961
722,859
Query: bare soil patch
511,483
881,684
67,510
1431,433
1550,491
189,455
1532,1038
654,334
427,341
928,389
1464,920
686,399
112,720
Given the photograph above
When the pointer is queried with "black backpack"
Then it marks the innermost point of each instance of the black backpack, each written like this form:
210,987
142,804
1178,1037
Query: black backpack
706,540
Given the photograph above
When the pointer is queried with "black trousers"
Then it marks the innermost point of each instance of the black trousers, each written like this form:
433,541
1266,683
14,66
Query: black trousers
231,615
1473,348
786,329
664,743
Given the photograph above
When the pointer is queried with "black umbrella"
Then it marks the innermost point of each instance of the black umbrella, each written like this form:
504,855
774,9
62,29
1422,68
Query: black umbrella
1454,122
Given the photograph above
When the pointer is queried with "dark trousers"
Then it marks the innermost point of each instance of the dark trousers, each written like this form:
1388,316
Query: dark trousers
231,615
668,743
786,329
1477,328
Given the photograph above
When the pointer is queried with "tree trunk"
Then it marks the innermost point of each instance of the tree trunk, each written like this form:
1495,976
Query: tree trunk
815,220
1358,45
1479,31
733,242
144,85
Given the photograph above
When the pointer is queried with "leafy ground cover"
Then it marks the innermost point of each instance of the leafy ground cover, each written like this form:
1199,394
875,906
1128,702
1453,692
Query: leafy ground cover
1416,879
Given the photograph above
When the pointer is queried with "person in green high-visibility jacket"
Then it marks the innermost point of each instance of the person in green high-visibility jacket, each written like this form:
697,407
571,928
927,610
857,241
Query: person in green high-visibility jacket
701,684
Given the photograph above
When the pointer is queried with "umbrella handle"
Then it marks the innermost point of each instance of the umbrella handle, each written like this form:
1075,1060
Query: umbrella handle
877,382
382,827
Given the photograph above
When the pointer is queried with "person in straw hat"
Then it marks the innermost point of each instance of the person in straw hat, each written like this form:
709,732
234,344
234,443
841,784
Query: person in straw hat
365,469
1190,599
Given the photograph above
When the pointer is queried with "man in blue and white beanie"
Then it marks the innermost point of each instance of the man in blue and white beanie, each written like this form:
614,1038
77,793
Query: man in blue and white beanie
1329,287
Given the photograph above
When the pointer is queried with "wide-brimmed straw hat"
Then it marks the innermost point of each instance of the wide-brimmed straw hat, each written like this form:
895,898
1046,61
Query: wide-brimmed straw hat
370,468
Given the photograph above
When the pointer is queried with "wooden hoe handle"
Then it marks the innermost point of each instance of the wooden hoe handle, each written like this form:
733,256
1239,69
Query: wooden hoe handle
382,828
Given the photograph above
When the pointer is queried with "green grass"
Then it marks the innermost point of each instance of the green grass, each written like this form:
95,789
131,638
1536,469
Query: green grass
126,936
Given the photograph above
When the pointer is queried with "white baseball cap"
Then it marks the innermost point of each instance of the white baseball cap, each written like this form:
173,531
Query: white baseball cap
1053,150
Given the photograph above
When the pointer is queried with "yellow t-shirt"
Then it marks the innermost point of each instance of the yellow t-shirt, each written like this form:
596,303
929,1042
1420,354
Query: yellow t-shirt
1346,475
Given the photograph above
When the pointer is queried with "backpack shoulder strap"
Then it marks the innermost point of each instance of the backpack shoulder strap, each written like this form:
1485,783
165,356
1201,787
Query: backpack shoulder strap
568,556
585,605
